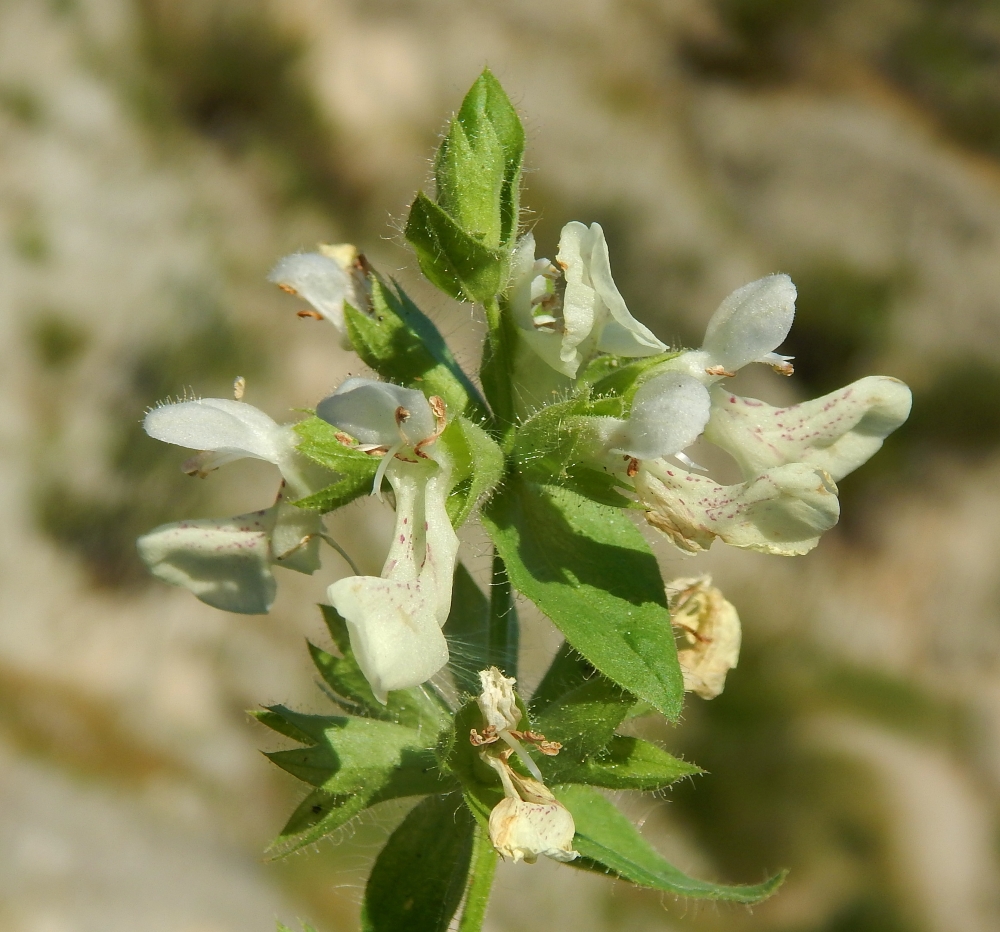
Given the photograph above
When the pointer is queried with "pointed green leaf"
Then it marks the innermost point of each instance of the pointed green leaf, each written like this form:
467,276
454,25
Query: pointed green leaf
467,631
590,570
403,346
584,719
478,466
459,264
419,876
353,763
611,844
625,764
357,470
567,671
418,707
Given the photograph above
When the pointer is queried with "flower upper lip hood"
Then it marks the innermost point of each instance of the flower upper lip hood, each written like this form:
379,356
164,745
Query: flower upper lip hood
379,413
749,325
224,430
568,311
669,412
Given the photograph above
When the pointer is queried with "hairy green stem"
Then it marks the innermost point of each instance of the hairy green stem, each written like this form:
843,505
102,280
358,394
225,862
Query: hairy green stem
497,366
481,870
504,631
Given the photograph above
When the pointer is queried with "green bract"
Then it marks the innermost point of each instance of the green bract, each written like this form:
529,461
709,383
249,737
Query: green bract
578,430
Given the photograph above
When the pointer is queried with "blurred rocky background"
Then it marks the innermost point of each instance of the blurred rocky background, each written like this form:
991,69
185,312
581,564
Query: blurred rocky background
157,156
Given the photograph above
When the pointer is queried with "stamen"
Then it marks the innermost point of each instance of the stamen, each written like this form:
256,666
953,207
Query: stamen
310,314
239,387
720,370
382,467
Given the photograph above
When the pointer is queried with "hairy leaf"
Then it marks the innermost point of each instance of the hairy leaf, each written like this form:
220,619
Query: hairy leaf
357,470
611,844
478,467
590,570
353,763
458,263
403,346
419,876
478,165
467,631
625,764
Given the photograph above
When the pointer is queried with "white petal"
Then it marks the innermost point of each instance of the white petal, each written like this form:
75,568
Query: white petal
668,413
522,274
225,562
524,830
320,280
752,322
622,334
782,511
440,540
838,432
394,630
367,410
233,429
582,306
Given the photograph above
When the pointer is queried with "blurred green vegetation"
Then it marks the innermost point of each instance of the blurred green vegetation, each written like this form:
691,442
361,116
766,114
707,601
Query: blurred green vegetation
842,318
226,70
947,54
760,41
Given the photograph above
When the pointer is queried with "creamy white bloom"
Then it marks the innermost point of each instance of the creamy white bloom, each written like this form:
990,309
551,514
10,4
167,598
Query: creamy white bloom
747,327
395,619
327,279
570,310
781,511
529,821
711,627
836,433
226,562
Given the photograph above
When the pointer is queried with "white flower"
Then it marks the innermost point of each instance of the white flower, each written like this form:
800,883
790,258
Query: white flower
226,562
711,627
529,820
668,413
327,280
781,511
395,619
747,327
836,433
569,311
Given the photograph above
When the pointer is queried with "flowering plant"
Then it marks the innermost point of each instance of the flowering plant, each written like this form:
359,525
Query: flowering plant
577,424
